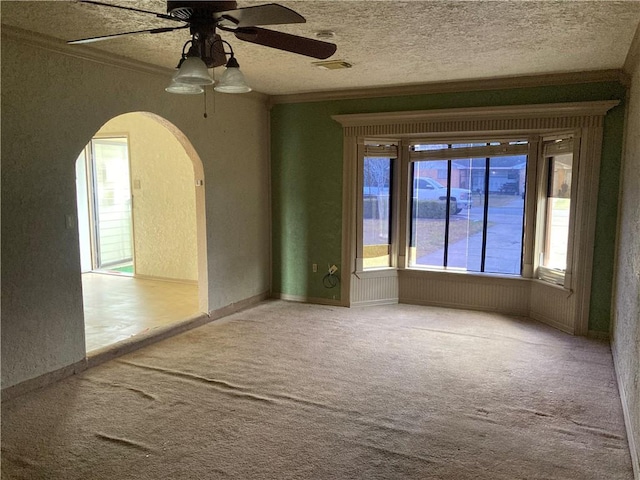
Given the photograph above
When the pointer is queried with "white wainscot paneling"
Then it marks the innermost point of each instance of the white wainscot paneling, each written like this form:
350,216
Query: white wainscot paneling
459,290
374,288
553,305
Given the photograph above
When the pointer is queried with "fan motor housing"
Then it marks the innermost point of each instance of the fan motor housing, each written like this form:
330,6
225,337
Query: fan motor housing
189,10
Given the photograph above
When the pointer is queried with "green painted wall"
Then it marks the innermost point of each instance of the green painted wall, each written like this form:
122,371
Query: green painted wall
606,222
306,169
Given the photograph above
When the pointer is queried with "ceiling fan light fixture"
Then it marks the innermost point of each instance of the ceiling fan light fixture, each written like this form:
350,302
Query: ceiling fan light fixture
193,71
206,48
184,88
232,80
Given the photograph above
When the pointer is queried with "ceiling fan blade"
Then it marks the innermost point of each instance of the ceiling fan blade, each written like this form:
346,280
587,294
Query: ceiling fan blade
116,35
285,41
269,14
131,9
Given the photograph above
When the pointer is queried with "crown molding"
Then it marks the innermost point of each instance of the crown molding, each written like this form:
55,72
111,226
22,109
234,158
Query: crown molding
58,46
456,86
475,119
569,109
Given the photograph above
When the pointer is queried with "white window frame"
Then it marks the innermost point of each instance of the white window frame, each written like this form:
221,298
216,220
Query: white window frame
471,152
554,276
385,149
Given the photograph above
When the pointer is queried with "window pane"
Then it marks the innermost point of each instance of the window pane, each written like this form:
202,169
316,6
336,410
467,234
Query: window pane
376,212
431,230
468,145
465,237
428,213
558,209
484,228
505,215
431,146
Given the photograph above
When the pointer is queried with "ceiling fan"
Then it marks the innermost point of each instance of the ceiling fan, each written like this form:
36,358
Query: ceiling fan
203,18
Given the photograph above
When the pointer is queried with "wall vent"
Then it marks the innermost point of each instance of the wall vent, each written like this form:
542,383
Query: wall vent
332,64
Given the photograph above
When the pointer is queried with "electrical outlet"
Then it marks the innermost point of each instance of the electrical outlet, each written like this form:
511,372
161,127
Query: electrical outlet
314,267
332,269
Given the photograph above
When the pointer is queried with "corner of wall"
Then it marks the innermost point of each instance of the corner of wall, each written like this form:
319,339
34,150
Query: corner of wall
625,311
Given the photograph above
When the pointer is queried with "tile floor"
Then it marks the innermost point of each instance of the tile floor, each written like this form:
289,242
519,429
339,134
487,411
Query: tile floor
117,307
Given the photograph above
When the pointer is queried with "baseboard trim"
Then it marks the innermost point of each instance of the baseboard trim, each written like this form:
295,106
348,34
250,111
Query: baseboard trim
552,323
141,276
304,299
162,333
96,357
238,306
633,448
595,334
43,380
101,355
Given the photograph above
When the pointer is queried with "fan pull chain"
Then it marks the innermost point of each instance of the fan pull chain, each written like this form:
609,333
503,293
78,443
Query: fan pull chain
213,74
205,102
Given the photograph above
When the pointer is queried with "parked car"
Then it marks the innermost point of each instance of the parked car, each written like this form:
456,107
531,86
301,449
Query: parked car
426,188
509,188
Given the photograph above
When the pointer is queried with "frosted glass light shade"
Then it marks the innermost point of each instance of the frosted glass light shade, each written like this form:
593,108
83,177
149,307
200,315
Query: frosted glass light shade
193,71
184,88
232,81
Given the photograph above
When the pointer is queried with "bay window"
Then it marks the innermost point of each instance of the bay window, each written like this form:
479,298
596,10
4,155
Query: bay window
466,204
486,208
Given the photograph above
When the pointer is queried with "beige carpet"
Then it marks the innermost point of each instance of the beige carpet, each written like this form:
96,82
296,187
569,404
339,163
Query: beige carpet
294,391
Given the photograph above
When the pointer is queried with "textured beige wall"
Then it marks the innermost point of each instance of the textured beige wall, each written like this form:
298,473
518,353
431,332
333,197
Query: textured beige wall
164,202
52,104
626,301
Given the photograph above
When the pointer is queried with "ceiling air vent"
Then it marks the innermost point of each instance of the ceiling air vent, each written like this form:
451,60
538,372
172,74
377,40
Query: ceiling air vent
332,64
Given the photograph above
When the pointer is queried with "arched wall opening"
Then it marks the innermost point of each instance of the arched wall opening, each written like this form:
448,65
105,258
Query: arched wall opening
166,258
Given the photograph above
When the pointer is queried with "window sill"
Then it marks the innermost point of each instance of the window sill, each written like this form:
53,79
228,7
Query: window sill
377,273
475,277
551,276
555,286
463,274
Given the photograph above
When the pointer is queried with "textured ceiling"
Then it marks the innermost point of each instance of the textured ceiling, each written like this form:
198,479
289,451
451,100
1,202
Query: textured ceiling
388,43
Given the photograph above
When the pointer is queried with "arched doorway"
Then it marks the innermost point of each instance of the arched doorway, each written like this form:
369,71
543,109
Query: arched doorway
141,227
